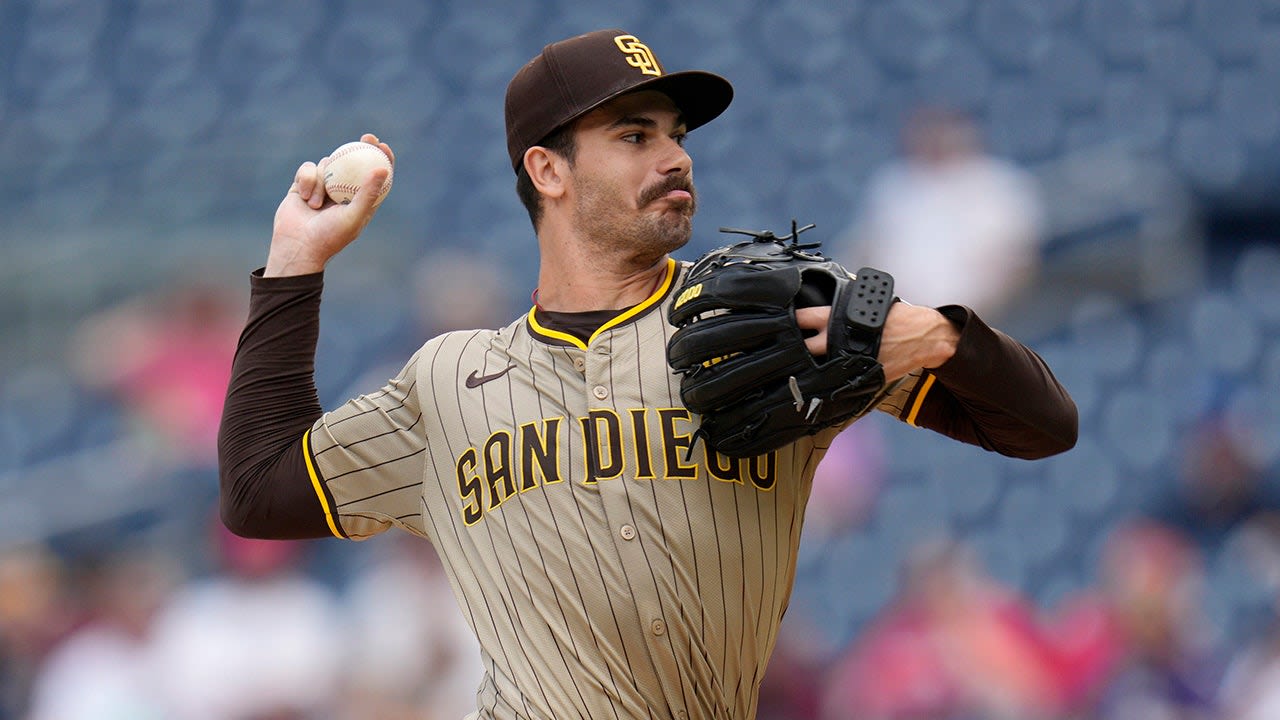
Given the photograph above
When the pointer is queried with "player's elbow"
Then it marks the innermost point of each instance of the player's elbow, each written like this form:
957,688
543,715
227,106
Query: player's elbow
237,515
243,496
1058,435
1066,429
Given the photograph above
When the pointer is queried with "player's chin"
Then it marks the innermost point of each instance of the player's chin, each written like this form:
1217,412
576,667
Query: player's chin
679,231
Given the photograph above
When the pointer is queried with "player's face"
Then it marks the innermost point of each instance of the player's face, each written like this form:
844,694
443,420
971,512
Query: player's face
632,176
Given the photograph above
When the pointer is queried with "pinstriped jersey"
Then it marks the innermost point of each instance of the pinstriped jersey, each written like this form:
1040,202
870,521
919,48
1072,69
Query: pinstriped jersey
611,566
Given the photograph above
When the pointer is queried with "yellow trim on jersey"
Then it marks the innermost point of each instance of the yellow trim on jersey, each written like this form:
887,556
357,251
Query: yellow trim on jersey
636,310
924,390
533,323
315,483
618,320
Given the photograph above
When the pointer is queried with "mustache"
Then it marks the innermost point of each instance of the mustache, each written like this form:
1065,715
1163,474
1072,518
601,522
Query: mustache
675,182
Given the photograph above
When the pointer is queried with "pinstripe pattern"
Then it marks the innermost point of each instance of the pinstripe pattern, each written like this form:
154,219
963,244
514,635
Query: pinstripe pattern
605,575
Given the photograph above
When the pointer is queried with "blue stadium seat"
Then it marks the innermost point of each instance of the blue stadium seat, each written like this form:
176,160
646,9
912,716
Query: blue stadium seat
902,36
780,27
1233,28
1085,479
1224,333
1036,519
361,48
1024,122
161,50
1118,27
180,112
1136,112
1248,105
1174,370
259,52
958,75
1106,334
970,483
863,571
1254,281
1208,154
1184,71
1070,69
1138,429
1012,31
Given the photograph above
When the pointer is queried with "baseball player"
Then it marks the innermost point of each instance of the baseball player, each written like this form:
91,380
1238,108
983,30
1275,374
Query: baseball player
610,564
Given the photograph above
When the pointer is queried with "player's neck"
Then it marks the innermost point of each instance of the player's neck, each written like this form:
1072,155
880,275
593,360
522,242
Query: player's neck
580,284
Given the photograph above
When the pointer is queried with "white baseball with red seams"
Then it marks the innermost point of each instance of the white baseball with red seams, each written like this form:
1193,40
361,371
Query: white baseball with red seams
348,165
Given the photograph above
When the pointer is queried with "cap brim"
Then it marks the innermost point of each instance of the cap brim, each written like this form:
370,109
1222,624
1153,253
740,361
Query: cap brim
700,96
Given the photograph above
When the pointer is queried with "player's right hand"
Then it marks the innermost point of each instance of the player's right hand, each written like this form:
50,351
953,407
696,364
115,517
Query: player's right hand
310,228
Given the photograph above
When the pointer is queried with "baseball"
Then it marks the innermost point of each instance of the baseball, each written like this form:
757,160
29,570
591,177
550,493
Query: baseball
348,165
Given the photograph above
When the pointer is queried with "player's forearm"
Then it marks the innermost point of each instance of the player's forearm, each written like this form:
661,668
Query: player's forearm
264,489
1001,394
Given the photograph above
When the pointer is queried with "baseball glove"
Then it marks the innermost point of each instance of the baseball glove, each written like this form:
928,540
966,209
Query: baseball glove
743,362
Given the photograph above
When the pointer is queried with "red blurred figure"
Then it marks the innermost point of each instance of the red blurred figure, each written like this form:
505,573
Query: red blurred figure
167,358
1152,583
954,643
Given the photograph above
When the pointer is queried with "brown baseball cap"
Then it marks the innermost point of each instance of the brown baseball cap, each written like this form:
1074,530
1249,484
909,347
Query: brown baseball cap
572,77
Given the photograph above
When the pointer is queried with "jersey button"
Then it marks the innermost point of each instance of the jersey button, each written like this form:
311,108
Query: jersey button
658,627
627,532
579,364
681,715
601,392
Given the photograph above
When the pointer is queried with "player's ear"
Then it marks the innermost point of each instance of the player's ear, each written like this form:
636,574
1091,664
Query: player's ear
547,171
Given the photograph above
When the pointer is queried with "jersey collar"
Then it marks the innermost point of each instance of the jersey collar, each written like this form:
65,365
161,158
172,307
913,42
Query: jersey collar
561,338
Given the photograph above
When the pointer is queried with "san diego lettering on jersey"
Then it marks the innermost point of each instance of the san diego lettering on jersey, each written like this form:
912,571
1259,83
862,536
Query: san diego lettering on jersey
655,442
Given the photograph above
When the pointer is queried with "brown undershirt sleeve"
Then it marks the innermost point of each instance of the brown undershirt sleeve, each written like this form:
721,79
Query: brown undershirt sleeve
265,490
997,393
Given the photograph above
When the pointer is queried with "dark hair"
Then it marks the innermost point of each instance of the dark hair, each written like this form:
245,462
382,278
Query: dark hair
560,142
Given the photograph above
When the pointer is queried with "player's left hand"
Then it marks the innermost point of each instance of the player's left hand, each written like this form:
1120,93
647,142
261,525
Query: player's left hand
758,360
913,337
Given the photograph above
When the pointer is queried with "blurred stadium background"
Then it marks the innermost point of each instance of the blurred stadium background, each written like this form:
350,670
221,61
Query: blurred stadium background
144,145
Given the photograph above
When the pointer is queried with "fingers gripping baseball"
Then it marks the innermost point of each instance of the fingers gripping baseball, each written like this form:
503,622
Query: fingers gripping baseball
311,228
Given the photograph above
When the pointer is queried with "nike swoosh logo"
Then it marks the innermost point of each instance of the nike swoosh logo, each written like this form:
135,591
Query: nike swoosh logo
475,381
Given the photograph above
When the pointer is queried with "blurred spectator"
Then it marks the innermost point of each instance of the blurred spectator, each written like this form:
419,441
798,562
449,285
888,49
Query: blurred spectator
1152,579
1219,485
167,358
105,669
954,643
792,687
411,655
35,615
1251,687
259,640
950,222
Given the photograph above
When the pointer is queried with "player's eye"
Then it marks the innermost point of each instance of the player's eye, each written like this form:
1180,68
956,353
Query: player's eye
680,138
635,138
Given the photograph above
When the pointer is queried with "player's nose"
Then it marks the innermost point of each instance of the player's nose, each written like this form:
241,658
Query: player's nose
675,158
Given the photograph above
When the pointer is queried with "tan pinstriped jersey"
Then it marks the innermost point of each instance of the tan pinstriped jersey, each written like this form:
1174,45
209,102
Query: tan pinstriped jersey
609,569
